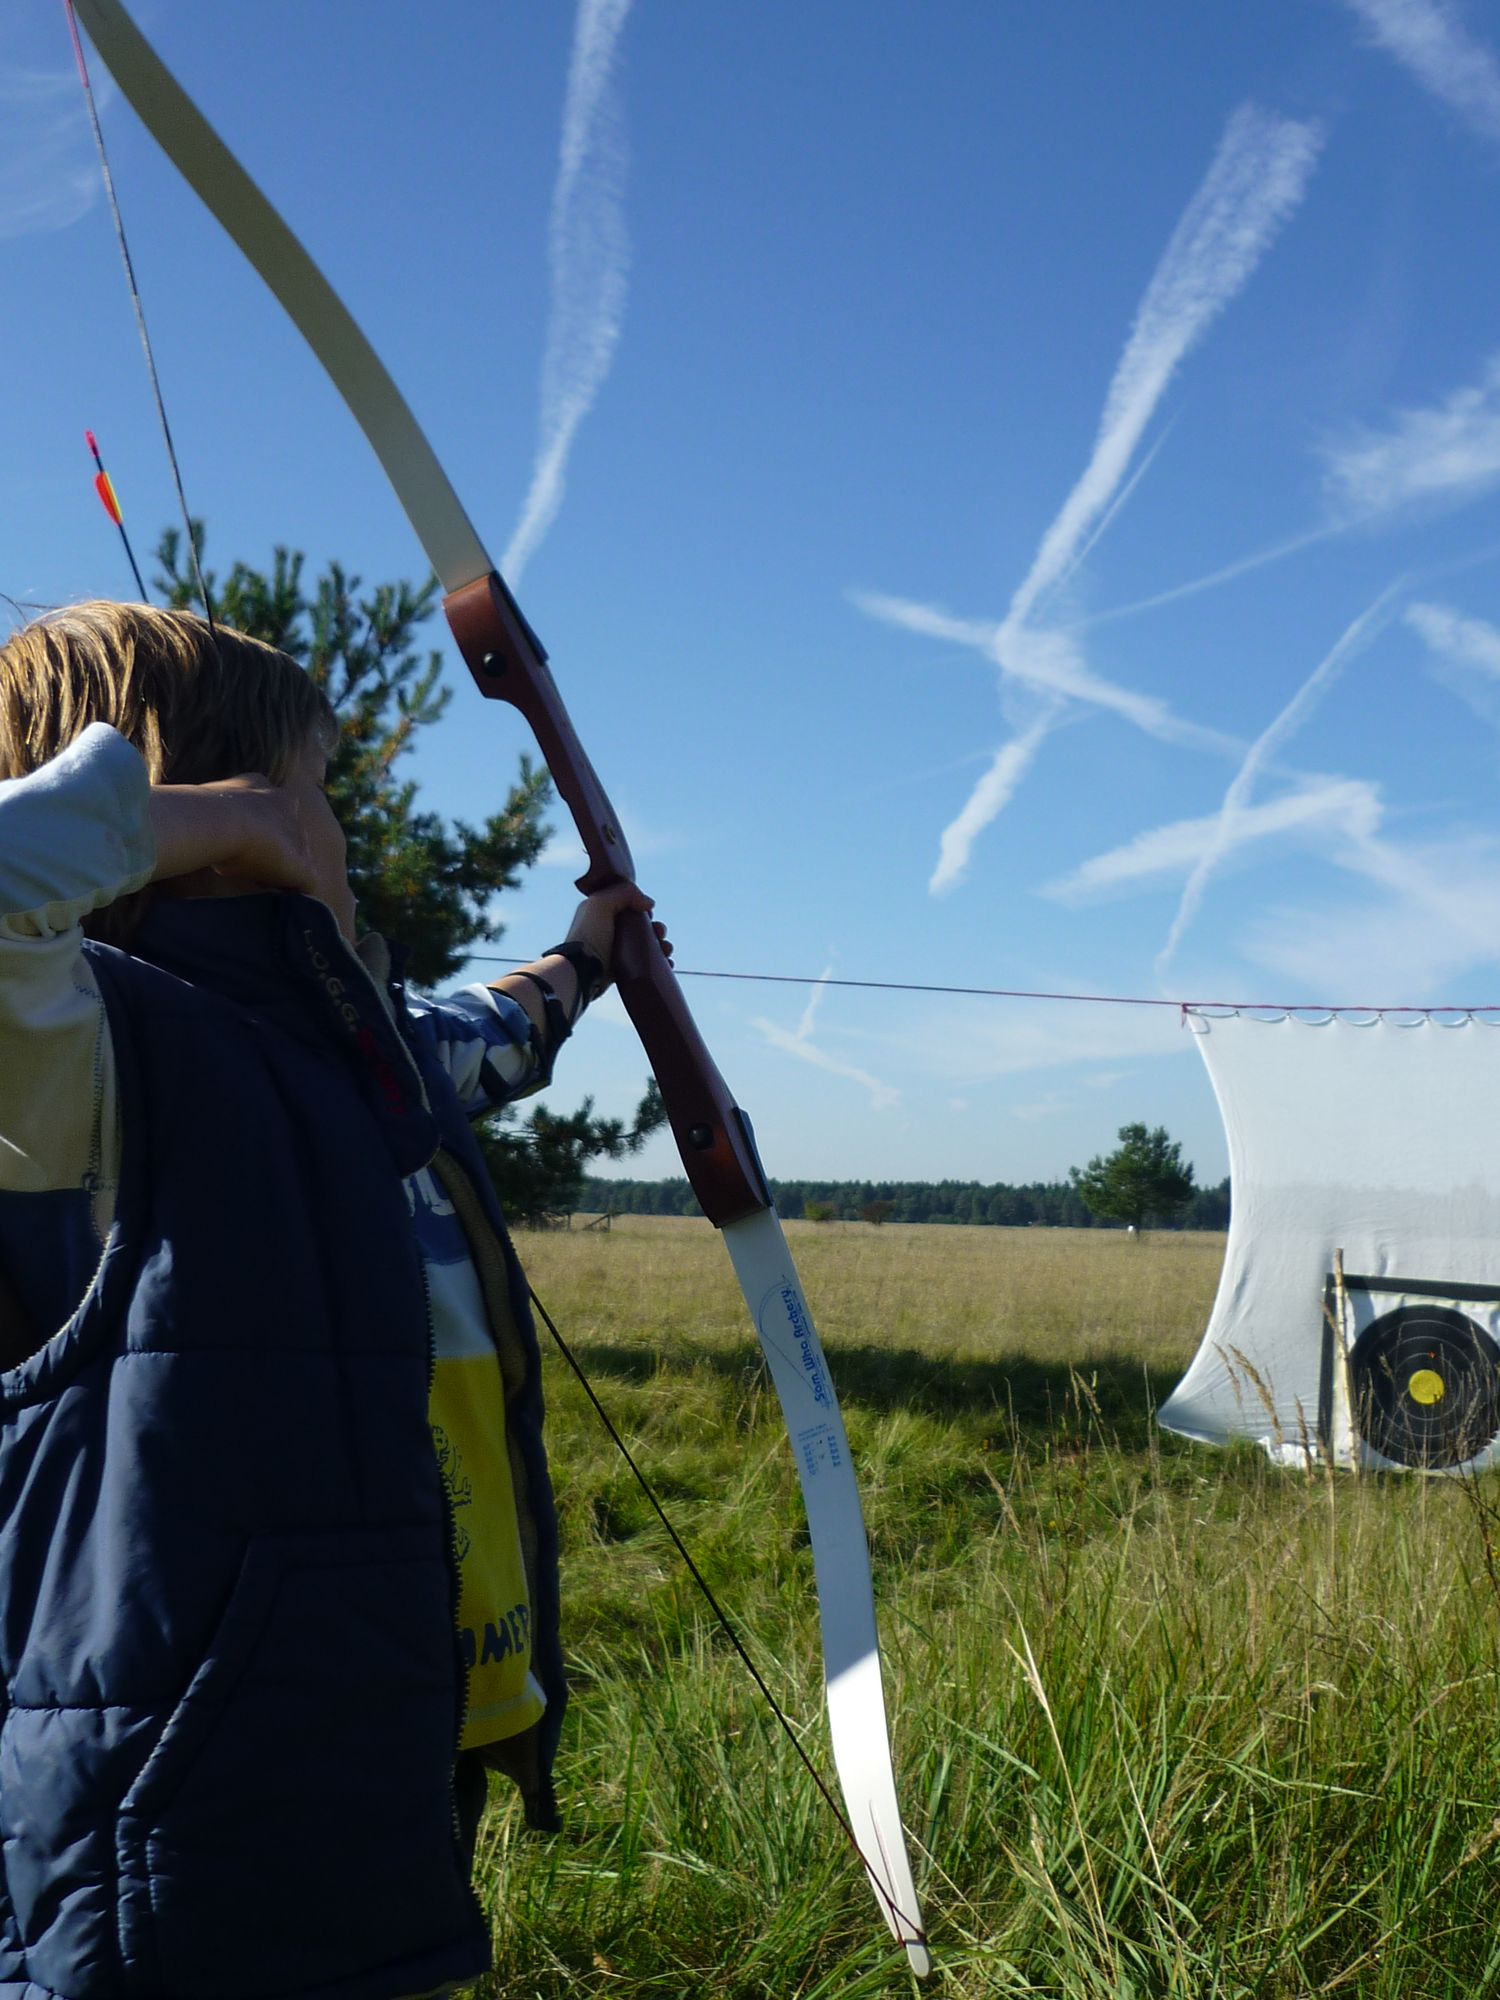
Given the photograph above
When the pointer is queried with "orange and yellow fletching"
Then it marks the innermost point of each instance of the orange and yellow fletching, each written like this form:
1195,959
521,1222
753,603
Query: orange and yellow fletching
105,489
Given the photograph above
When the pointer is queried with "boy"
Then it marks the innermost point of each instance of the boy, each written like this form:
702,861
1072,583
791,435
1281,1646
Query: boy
277,1544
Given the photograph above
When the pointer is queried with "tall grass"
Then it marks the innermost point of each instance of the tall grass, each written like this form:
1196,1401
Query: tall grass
1168,1721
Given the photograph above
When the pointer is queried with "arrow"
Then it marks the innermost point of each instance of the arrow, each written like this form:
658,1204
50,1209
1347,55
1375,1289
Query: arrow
104,486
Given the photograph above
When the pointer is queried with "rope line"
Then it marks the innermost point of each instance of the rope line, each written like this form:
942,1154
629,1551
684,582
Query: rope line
1016,993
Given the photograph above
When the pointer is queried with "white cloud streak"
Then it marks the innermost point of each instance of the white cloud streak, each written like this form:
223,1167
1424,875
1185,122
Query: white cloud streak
988,799
1102,525
882,1095
1257,559
928,621
1449,451
1471,642
1256,180
49,172
810,1011
590,258
1465,656
1337,808
1254,183
1439,914
1429,39
1048,662
799,1043
1438,919
1230,828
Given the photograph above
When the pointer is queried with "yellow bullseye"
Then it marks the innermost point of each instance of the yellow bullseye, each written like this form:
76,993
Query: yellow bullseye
1426,1386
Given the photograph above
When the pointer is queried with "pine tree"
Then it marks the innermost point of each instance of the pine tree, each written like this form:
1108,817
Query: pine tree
539,1168
1144,1179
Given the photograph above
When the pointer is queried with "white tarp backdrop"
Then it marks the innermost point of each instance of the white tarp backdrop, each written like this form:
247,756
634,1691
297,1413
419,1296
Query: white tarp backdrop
1367,1145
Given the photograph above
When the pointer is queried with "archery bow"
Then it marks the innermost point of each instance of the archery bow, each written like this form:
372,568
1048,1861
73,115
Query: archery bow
509,663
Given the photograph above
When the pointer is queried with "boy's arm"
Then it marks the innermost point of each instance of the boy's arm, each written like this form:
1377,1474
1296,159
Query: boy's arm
74,836
499,1042
84,830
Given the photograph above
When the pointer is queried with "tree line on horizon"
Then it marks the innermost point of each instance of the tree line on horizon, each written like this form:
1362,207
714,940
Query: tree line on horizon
1001,1204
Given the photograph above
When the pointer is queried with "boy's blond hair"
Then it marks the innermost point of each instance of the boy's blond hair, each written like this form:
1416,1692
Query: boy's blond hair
199,704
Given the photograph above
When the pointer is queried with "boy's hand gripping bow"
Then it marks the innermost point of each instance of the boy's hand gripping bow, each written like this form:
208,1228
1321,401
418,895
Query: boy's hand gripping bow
718,1153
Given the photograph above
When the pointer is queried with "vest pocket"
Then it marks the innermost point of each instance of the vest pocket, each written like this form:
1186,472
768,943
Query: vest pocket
293,1827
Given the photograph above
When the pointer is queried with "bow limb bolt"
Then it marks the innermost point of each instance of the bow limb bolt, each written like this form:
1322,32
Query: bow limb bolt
509,663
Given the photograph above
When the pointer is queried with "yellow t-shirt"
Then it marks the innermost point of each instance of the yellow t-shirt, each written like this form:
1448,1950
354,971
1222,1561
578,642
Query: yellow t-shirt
467,1414
466,1411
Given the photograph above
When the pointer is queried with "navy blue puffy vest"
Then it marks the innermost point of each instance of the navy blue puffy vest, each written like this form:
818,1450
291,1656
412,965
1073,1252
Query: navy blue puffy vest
227,1647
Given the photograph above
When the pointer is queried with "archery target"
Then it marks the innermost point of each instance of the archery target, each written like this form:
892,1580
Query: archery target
1366,1178
1425,1384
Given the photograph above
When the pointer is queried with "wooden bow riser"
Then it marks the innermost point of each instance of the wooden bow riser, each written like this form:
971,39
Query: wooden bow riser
718,1152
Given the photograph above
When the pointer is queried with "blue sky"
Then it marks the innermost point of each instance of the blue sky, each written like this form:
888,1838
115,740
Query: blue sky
1015,491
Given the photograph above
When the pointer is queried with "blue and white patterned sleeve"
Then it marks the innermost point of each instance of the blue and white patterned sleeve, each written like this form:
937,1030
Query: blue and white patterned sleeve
488,1046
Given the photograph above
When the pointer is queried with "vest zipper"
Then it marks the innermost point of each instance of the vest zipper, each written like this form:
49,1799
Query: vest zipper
17,1329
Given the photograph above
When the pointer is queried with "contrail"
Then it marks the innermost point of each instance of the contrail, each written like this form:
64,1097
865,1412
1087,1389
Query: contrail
801,1044
1254,183
989,798
1051,663
882,1095
1348,805
810,1011
1276,552
1430,40
1473,641
1106,520
49,175
1449,450
1227,827
589,252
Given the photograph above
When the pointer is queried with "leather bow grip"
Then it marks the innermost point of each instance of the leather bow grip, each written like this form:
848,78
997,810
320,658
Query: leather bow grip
713,1136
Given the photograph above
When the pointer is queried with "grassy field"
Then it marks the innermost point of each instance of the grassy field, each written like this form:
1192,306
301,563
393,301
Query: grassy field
1168,1722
